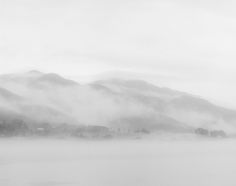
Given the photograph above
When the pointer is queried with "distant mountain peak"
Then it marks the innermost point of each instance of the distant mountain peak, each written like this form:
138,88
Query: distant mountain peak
35,72
138,85
55,79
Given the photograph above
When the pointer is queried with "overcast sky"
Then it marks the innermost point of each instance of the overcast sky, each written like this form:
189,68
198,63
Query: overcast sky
184,44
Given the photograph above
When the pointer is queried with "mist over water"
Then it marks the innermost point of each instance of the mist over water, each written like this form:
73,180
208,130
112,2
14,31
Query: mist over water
117,93
117,163
56,132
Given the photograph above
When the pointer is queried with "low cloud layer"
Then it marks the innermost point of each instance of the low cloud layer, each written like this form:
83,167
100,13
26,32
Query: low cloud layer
54,99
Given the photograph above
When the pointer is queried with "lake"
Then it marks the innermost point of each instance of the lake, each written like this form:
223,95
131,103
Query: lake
117,163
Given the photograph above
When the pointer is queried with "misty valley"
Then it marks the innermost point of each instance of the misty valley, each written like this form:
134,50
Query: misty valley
57,132
18,128
37,104
117,93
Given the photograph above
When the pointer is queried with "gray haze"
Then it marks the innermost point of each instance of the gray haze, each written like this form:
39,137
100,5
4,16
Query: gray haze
127,105
186,45
129,163
156,70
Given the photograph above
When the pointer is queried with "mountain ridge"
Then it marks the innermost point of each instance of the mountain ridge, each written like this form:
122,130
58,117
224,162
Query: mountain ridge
108,102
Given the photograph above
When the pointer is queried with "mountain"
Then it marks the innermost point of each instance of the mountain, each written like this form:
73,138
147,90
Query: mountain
185,108
9,96
127,105
52,79
36,79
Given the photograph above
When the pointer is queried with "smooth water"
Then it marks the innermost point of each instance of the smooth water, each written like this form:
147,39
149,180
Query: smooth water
117,163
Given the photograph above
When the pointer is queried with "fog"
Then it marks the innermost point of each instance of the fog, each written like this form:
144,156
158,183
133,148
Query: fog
117,93
51,98
162,162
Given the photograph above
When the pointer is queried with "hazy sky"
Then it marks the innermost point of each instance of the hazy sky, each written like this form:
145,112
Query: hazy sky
185,44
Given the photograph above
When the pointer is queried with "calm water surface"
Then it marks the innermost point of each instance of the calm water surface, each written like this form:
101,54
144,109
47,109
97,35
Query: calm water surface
117,163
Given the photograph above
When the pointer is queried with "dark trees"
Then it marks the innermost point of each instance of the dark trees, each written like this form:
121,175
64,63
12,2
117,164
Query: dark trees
213,133
201,131
218,133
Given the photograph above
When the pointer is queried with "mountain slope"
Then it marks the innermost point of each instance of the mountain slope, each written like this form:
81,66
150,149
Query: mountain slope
115,103
185,108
